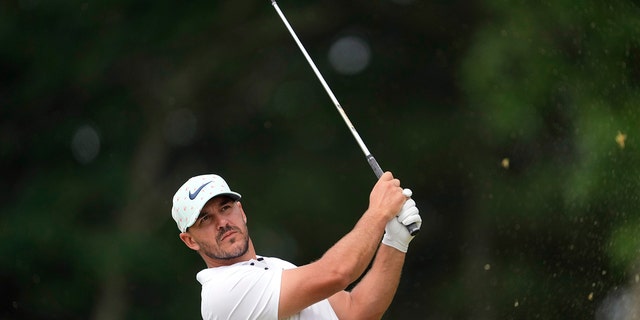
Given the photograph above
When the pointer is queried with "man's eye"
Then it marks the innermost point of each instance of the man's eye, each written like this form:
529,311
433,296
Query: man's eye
225,208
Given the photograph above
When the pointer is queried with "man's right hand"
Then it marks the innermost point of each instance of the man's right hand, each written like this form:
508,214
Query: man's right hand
387,198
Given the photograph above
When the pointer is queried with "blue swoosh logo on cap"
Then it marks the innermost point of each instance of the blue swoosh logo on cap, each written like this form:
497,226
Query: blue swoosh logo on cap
195,194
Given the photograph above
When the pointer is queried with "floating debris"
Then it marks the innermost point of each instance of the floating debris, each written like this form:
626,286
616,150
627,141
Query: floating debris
620,139
505,163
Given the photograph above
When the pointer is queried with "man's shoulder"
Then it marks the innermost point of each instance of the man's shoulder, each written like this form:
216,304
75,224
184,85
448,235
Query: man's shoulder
243,269
277,262
216,273
246,290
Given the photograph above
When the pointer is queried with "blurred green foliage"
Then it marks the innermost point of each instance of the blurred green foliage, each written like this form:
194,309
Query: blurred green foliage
515,124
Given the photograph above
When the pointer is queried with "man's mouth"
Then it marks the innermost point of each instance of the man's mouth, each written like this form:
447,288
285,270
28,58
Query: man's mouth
227,234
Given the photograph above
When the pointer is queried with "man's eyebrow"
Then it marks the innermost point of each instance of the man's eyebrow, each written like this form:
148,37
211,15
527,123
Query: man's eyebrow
222,203
225,201
202,214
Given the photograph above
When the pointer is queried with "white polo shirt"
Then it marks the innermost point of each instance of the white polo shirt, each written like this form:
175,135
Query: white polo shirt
251,290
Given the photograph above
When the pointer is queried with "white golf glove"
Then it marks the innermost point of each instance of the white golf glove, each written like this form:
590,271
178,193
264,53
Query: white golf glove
396,234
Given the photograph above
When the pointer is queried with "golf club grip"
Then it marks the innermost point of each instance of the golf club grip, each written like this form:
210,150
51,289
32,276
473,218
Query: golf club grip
412,228
375,166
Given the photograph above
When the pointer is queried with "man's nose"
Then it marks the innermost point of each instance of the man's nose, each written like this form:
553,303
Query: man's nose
222,223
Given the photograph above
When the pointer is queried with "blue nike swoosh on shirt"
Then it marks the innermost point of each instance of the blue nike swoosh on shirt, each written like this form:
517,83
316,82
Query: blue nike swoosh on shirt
195,194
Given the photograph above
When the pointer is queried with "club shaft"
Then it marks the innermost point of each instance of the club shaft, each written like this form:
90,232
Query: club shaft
413,228
364,148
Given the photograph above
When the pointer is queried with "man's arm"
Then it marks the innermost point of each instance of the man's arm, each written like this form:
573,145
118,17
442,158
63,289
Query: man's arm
373,294
343,263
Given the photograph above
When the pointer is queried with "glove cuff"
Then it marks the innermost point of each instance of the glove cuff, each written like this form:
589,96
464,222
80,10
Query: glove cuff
387,240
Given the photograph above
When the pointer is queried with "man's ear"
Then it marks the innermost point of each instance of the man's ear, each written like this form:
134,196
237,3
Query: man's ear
188,240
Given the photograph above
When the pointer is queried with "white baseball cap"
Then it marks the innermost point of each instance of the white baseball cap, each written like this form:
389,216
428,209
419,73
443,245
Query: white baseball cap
194,194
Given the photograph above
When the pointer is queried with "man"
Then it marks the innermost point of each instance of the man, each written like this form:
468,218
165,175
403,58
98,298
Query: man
238,284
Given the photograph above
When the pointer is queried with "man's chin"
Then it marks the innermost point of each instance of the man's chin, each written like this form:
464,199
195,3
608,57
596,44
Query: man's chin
237,249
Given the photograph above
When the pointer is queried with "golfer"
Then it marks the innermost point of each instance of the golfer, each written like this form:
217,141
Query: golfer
239,284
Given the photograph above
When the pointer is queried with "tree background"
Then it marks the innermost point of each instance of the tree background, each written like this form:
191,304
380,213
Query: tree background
514,123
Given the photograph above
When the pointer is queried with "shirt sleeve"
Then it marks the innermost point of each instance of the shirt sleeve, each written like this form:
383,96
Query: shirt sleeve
241,292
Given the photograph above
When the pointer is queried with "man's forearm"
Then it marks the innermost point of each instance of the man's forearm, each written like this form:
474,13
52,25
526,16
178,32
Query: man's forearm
355,250
373,294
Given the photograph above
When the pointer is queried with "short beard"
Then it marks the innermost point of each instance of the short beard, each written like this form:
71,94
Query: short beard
219,254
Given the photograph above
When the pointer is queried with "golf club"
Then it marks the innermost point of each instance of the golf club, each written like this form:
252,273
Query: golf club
413,228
